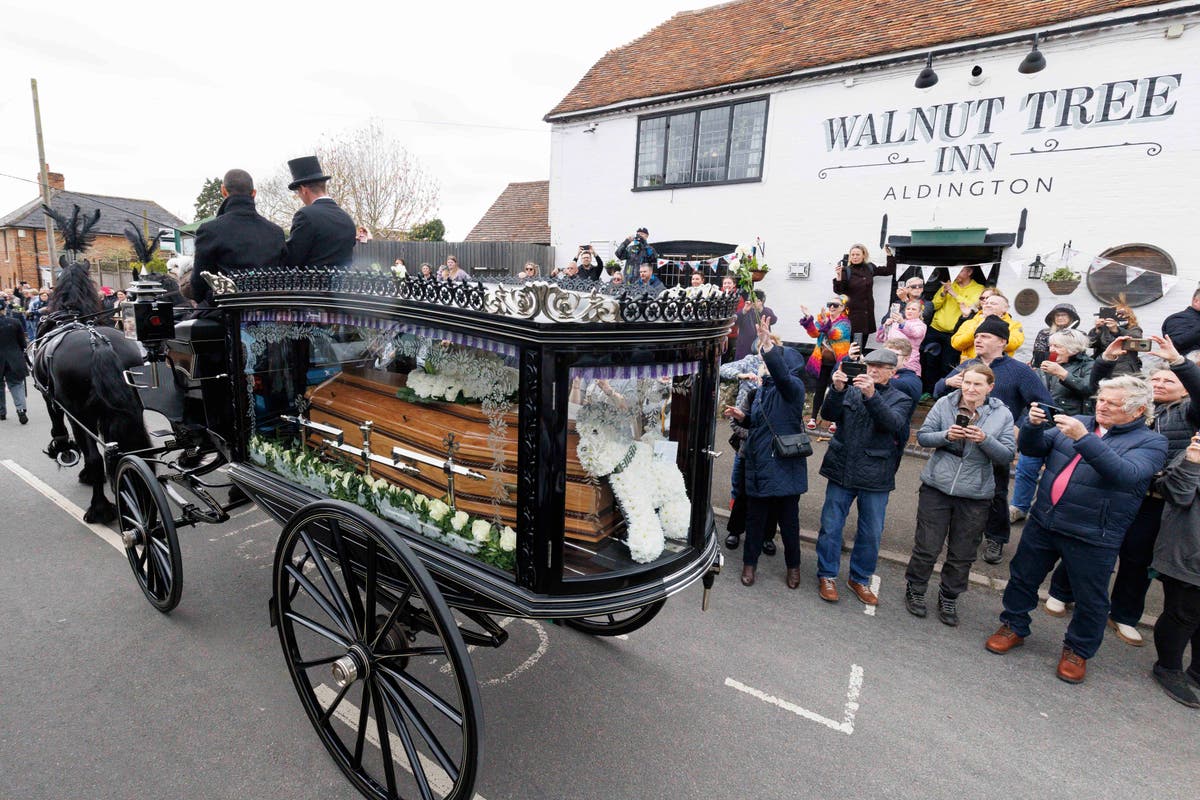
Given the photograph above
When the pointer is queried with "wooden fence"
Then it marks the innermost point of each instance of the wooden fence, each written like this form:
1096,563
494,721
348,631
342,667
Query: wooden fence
479,258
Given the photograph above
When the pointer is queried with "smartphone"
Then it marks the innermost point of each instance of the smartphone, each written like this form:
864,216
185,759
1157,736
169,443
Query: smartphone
895,308
962,421
1052,357
1107,312
1138,345
845,259
853,369
1050,411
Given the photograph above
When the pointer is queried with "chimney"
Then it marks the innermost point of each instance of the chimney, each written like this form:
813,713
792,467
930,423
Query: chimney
55,179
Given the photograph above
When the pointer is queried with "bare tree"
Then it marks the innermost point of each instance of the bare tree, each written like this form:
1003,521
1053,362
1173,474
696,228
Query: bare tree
374,179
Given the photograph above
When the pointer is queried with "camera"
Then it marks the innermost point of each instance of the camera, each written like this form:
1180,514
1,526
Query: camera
1107,312
853,369
1051,412
1137,345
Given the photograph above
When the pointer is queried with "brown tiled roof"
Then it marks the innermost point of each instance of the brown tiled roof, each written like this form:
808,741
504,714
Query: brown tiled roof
756,39
520,214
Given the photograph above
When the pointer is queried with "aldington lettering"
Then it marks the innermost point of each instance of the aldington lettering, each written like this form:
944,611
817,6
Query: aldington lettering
958,127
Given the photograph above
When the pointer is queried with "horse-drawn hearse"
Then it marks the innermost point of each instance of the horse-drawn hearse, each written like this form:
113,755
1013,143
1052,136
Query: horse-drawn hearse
440,455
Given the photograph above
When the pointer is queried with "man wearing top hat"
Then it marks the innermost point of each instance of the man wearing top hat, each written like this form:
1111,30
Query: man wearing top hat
322,234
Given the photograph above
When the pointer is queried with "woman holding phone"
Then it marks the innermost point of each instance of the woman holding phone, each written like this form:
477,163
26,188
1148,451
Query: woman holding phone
969,433
832,330
854,276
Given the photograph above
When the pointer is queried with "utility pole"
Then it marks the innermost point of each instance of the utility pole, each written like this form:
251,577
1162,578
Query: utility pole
37,121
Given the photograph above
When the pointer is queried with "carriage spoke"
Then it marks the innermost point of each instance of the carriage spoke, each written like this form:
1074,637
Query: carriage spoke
316,662
410,713
410,749
299,567
162,559
131,502
326,576
318,629
319,599
385,744
430,696
361,739
327,713
413,652
356,606
392,616
369,604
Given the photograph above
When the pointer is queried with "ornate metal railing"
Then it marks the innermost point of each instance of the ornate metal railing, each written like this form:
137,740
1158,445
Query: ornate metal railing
569,300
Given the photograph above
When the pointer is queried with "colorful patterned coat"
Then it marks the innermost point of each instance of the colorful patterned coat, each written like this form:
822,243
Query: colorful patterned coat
827,330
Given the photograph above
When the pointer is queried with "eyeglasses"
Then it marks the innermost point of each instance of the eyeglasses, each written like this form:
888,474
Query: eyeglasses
833,305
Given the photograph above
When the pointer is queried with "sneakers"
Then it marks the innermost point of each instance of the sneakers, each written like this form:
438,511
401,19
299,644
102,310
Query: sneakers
914,601
1056,607
1072,667
1003,640
863,593
832,428
948,609
1015,515
1175,683
1126,633
993,551
811,424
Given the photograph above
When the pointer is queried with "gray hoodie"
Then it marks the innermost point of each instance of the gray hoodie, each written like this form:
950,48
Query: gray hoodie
964,469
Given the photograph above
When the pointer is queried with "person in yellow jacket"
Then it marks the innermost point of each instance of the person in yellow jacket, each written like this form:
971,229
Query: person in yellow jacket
995,305
951,303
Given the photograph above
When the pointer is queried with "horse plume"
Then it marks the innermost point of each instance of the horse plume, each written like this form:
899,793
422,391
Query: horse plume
76,230
143,251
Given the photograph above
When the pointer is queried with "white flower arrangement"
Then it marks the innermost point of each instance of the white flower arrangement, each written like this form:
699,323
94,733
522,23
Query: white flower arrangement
428,516
649,490
474,374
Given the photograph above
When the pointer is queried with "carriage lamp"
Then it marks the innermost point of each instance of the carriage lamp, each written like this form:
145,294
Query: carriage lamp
1036,268
146,318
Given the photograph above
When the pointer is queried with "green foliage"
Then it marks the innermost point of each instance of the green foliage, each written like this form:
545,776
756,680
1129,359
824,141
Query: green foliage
209,199
1062,274
432,231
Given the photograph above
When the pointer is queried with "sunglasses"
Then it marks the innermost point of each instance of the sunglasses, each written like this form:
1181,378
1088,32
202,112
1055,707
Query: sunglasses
833,305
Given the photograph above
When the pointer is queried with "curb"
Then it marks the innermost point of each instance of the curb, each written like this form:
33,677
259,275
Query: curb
977,578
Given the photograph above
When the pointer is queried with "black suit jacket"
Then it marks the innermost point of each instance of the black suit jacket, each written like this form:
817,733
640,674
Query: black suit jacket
12,349
238,237
322,236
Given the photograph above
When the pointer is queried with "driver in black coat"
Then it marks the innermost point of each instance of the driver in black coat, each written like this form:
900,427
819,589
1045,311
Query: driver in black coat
238,237
322,234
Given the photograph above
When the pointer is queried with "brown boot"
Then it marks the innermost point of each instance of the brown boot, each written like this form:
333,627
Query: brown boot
863,593
1071,667
747,575
1003,640
793,577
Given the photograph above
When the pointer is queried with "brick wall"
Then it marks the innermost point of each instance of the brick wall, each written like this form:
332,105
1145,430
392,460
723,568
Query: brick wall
20,256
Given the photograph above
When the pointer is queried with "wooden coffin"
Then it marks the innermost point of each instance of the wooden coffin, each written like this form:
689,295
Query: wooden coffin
357,395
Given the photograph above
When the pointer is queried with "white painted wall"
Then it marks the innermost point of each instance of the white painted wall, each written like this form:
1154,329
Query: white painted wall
1100,198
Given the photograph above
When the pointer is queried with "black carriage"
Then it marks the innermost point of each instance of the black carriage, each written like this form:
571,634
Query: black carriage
440,455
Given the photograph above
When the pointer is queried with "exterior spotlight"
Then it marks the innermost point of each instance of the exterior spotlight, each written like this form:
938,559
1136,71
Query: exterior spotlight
927,77
1034,60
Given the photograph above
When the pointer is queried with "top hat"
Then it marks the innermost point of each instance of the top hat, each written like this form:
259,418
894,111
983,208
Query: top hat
306,169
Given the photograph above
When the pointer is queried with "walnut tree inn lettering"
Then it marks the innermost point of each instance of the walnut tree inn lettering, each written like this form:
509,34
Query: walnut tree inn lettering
966,130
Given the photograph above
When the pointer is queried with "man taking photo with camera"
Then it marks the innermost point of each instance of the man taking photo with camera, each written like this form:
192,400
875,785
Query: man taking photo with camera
635,251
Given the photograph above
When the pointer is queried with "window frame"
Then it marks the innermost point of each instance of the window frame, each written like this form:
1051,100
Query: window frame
696,111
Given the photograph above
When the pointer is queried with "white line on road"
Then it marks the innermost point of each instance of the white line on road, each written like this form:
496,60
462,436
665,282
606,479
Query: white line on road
107,534
846,726
347,712
870,610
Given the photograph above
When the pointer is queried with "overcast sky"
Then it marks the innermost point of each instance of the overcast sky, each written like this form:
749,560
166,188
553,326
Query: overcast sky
147,99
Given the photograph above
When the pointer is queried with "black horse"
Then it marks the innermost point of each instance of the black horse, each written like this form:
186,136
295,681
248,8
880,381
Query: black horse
79,366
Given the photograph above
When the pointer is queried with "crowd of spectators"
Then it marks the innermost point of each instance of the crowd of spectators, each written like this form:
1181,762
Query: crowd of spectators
1107,449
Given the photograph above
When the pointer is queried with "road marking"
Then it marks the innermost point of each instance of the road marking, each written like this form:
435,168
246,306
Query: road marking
870,610
846,726
107,534
536,656
347,712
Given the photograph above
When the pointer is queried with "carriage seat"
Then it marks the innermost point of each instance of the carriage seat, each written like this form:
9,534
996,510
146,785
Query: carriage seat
198,348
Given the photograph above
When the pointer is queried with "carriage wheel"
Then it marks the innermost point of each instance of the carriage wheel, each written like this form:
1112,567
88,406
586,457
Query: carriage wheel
616,624
376,656
148,531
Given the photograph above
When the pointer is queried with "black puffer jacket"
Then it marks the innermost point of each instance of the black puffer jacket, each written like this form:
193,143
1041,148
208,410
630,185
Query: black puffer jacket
1100,338
1073,393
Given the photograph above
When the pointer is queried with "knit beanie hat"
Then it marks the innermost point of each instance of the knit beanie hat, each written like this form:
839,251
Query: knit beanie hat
995,326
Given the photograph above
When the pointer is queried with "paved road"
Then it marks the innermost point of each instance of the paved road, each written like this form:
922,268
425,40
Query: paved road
772,693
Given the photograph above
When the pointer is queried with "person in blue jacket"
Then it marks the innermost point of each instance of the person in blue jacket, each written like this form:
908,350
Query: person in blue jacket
1097,471
773,484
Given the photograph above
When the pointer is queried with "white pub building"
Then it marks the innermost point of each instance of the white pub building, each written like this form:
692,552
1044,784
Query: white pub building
1023,136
